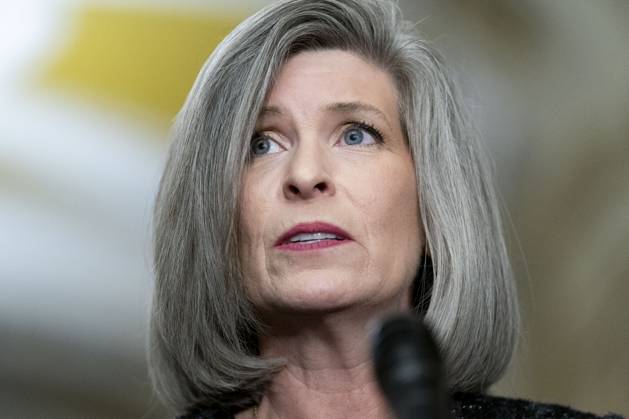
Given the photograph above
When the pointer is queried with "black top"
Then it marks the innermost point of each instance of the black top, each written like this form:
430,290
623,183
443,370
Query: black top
475,406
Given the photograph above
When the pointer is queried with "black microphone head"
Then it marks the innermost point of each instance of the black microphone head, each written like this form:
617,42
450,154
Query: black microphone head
409,369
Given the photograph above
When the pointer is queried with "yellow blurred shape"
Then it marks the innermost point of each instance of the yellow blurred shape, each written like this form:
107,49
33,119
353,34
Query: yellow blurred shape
140,58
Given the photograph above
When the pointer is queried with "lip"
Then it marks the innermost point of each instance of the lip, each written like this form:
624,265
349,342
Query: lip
314,227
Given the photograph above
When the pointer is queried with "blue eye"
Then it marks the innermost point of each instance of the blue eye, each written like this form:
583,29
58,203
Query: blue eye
361,134
263,145
354,136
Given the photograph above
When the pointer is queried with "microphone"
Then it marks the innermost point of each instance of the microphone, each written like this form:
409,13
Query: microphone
408,368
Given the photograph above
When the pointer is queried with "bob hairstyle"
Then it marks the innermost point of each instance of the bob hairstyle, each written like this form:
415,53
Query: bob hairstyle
203,339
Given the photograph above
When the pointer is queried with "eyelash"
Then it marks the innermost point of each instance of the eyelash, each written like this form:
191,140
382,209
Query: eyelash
367,127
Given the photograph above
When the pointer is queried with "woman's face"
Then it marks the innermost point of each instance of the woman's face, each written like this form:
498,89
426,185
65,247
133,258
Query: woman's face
329,216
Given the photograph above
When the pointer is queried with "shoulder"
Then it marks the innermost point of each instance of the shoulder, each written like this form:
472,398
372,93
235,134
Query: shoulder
474,405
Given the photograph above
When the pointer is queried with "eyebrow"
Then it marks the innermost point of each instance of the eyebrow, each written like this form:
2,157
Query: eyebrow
337,107
349,107
270,111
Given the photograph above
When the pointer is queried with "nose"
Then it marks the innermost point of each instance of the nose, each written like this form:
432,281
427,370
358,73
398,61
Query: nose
308,174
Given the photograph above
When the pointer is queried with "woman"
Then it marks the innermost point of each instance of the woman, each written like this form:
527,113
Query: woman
324,174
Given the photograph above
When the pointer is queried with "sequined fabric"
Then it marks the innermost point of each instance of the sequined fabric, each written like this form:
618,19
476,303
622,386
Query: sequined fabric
477,406
480,406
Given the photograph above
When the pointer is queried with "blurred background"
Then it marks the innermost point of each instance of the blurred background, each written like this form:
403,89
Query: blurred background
88,90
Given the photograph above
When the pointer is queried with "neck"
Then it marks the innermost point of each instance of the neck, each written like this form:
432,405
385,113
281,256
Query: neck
329,370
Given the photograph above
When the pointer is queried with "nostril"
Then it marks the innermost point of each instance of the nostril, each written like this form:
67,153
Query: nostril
322,187
306,191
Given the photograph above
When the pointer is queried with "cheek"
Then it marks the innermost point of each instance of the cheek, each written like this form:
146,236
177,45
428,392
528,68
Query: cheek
390,193
392,210
251,224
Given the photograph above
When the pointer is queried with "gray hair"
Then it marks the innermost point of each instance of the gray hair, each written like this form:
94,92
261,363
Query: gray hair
203,339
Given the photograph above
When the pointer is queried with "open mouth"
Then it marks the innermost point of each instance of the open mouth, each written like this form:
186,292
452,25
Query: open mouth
313,237
310,236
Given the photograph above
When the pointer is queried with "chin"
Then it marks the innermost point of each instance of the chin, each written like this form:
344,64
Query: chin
314,292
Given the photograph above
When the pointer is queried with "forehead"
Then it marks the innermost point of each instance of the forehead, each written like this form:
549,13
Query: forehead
313,79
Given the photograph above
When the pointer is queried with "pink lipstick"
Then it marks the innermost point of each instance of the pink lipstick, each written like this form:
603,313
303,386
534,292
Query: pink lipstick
312,236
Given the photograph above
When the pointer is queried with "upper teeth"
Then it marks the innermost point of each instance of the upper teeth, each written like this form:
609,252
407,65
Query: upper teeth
314,236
